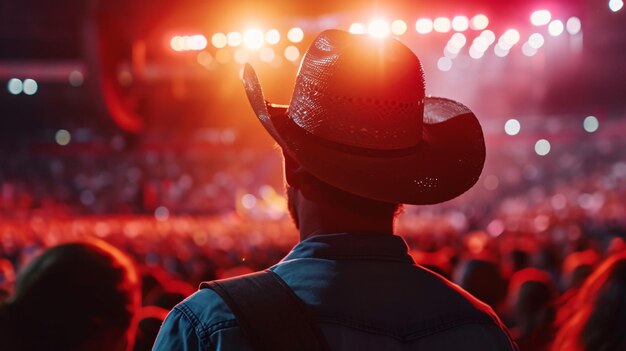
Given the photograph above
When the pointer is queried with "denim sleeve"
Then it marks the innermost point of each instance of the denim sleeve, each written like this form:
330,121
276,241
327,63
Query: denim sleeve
177,334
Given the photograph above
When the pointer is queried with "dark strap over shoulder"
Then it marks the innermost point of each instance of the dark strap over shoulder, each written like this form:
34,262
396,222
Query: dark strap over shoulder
269,313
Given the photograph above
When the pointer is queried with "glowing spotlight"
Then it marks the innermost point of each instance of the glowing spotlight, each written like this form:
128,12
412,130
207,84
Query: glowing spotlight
292,53
540,17
616,5
219,40
479,22
295,35
442,24
253,38
591,124
398,27
30,86
555,28
488,35
378,28
542,147
15,86
234,39
358,28
444,64
512,127
272,36
536,40
510,37
177,43
573,25
62,137
267,54
460,23
424,25
528,50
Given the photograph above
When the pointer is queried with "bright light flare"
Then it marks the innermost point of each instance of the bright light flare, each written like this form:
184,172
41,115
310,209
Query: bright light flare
555,28
398,27
424,25
488,35
295,35
15,86
616,5
442,24
536,40
542,147
378,28
62,137
510,37
460,23
475,52
512,127
479,22
358,28
234,39
219,40
458,40
540,17
272,36
591,124
253,38
573,25
30,86
177,43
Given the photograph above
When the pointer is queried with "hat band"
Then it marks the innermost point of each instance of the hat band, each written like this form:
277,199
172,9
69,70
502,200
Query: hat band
351,149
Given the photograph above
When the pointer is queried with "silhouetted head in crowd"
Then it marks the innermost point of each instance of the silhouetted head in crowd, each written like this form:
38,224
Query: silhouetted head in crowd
598,321
482,279
75,296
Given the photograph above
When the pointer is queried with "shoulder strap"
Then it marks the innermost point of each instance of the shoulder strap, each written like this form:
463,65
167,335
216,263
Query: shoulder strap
270,315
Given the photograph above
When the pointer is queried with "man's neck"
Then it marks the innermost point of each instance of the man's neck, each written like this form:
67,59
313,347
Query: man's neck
320,224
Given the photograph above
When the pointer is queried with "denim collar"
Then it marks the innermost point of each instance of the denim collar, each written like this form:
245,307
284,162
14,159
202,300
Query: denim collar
350,246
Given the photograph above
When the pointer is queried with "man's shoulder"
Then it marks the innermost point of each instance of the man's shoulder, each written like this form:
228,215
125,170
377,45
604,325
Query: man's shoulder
206,310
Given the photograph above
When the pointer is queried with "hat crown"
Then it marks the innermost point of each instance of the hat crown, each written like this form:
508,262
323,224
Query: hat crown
360,91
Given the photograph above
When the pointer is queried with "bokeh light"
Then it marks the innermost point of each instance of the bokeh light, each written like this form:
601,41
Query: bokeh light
253,38
272,36
15,86
234,39
510,37
267,54
295,35
177,43
528,50
292,53
475,52
378,28
398,27
488,35
591,124
219,40
62,137
76,78
460,23
616,5
500,50
30,86
161,213
223,56
442,24
536,40
573,25
424,25
555,28
542,147
444,64
540,17
242,56
458,40
479,22
358,28
512,127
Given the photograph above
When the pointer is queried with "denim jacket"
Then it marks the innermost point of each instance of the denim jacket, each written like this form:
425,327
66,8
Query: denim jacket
365,292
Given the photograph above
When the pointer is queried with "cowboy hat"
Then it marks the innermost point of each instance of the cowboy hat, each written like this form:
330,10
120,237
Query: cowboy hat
359,120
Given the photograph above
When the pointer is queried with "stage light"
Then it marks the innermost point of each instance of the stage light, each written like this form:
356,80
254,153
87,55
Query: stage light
536,40
424,25
479,22
272,36
30,86
540,17
267,54
295,35
242,56
458,40
358,28
573,25
177,43
616,5
62,137
460,23
542,147
528,50
195,42
591,124
76,78
500,50
253,38
234,39
444,64
510,37
488,35
475,52
512,127
292,53
223,56
555,28
398,27
378,28
442,24
219,40
15,86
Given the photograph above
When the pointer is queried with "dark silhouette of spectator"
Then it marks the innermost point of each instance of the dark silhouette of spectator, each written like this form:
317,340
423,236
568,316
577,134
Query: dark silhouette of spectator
598,319
531,300
75,296
482,279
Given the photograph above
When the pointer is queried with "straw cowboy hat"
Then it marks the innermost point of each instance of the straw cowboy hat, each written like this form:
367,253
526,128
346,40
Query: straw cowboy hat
360,121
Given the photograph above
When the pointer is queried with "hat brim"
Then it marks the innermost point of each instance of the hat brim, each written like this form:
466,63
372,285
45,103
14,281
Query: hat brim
446,163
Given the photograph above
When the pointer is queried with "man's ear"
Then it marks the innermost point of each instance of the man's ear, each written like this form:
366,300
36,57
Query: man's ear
292,169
